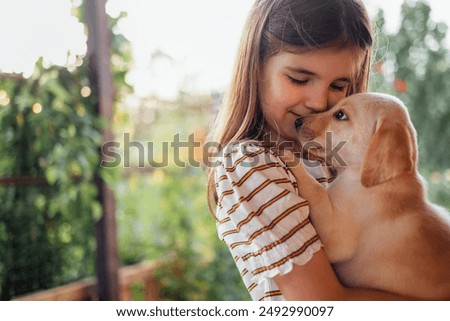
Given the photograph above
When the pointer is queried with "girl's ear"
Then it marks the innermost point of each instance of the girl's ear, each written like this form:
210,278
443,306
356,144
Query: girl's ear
391,153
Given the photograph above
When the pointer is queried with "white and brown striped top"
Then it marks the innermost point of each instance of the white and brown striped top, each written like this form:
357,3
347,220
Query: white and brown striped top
261,218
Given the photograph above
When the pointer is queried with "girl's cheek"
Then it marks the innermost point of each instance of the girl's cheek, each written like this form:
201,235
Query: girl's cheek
336,98
274,98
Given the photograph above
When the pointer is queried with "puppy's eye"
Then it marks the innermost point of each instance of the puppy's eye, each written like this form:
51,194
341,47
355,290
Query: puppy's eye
340,115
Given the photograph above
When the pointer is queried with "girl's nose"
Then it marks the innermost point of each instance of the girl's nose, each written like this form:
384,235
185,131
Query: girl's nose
317,101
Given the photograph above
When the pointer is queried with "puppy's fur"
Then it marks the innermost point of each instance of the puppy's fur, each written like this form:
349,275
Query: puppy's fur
376,224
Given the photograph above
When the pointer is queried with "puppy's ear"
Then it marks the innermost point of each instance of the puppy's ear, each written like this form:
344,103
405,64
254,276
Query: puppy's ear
391,153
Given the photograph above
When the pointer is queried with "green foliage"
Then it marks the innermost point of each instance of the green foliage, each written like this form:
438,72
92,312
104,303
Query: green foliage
200,263
420,76
165,217
438,184
162,214
51,136
423,62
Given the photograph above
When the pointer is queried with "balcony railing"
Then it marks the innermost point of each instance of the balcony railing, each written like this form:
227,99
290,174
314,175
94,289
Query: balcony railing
86,289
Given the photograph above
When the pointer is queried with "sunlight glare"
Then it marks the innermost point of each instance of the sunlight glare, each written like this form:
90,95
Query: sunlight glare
4,99
33,29
37,108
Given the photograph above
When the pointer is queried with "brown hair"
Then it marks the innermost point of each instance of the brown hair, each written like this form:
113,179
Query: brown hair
292,25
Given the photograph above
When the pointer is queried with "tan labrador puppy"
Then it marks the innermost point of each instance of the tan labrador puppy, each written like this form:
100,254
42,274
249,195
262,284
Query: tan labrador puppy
376,224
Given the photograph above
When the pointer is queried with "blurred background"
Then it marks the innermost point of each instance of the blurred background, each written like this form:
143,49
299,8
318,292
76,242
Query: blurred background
170,65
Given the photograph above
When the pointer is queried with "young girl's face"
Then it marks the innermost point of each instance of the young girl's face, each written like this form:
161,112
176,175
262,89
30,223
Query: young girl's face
296,84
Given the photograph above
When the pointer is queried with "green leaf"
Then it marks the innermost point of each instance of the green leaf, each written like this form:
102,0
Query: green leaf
51,174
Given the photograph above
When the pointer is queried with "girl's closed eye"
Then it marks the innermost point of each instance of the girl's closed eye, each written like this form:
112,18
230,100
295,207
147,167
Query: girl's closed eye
338,87
298,81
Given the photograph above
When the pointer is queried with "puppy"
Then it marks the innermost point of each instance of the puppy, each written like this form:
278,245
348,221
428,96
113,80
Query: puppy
378,228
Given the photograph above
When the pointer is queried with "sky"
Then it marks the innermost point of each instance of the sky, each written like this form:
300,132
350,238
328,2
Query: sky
199,38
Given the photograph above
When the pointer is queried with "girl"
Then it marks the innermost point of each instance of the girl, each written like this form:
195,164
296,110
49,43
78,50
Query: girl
296,57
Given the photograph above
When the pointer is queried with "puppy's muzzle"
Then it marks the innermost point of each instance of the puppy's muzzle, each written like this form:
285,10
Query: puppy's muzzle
304,133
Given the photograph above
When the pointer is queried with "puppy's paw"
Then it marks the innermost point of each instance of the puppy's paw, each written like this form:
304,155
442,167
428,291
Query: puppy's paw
307,184
289,158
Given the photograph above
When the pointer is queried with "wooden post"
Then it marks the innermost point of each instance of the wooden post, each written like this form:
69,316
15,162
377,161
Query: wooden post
99,57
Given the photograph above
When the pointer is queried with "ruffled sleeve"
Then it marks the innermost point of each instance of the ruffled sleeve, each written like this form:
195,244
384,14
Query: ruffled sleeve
260,215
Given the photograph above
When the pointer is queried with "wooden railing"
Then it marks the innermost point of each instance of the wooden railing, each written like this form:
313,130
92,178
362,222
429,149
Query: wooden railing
139,273
86,290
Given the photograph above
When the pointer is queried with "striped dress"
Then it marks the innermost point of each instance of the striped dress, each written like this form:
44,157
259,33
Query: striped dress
261,218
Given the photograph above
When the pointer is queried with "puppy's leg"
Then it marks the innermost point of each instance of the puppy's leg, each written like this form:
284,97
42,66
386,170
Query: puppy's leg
309,188
336,234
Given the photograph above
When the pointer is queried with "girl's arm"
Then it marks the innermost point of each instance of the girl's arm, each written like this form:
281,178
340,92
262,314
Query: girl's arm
316,281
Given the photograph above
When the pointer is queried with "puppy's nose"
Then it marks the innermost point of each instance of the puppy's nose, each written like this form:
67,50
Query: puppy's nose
298,123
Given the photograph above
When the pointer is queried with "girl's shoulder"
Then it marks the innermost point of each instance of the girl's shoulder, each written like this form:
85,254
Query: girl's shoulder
250,152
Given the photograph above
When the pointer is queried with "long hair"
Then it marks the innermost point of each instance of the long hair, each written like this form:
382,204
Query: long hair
293,25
